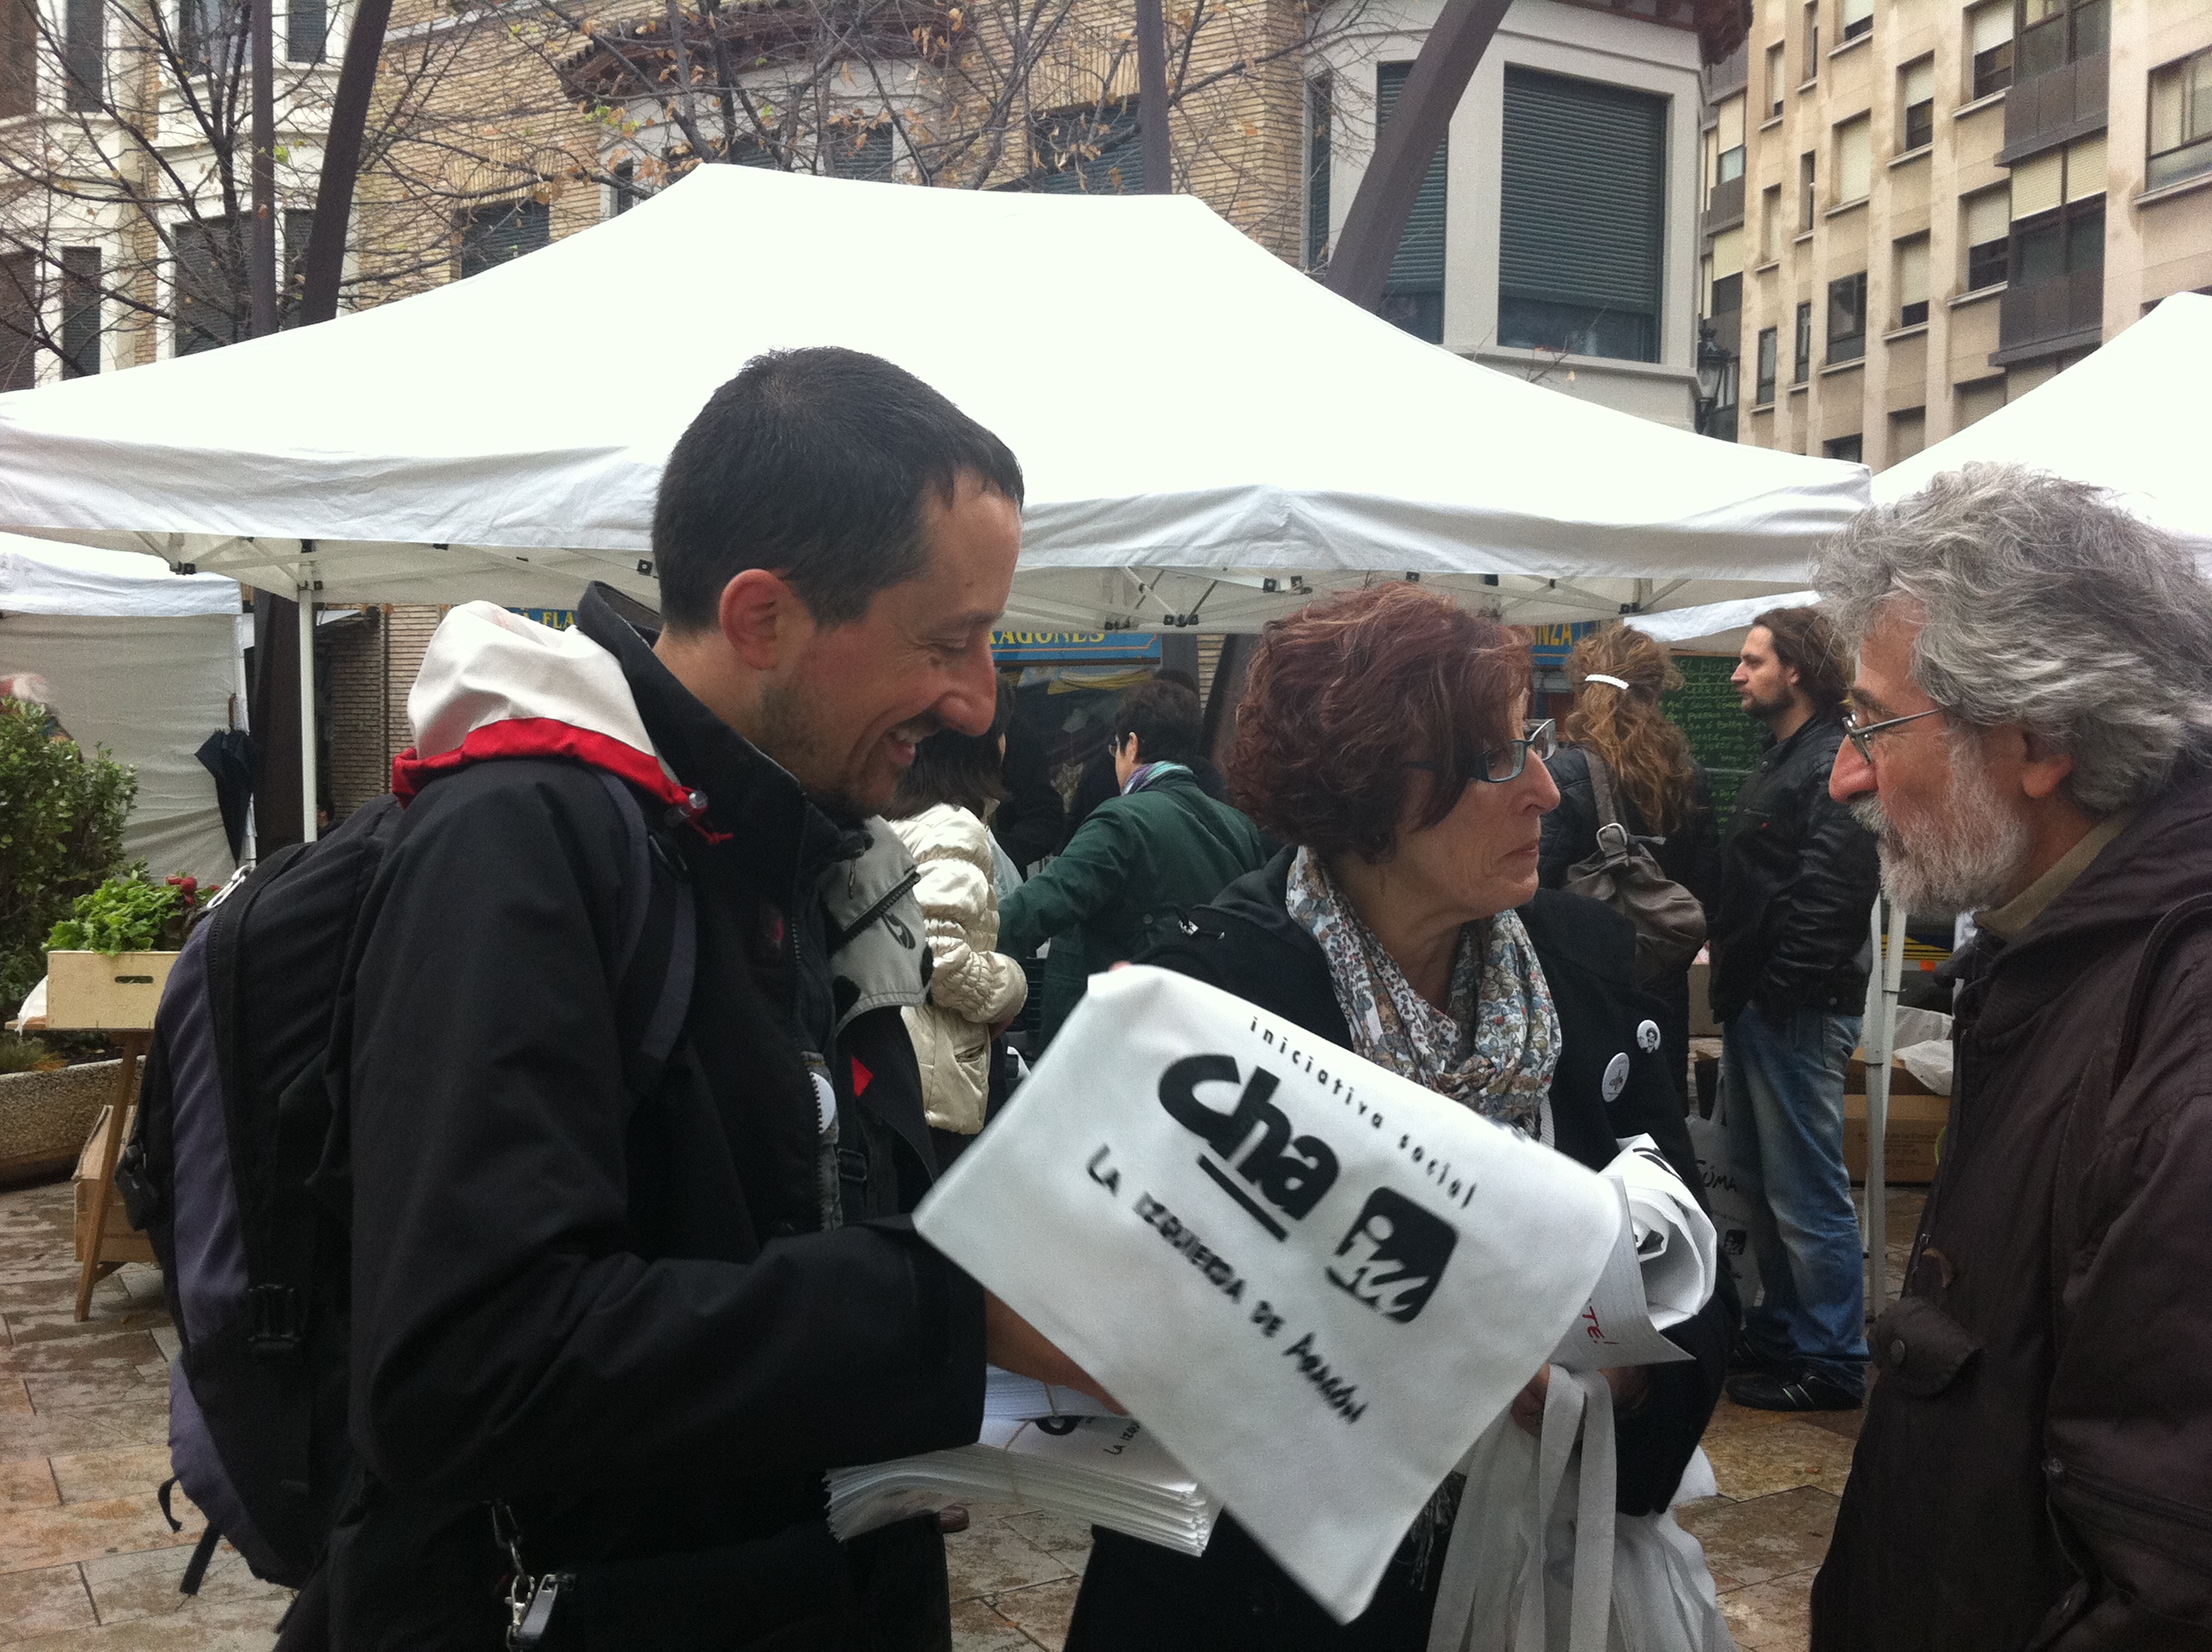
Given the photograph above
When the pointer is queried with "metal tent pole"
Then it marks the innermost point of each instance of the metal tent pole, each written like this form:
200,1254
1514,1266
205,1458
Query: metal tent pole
1885,983
305,597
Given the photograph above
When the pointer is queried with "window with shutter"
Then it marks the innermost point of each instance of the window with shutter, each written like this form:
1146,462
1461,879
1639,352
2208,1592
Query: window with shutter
1319,114
2180,120
1770,351
1413,292
1847,299
492,235
298,227
1580,239
1985,225
1915,102
861,148
1778,78
1770,223
1088,152
19,61
80,311
306,30
1912,280
1989,46
207,269
1858,17
1854,160
19,320
85,53
1801,364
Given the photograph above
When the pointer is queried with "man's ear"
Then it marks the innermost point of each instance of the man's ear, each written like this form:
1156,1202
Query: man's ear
2043,767
762,618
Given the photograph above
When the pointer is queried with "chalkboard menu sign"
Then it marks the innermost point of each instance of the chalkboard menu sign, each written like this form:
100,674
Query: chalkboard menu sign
1722,737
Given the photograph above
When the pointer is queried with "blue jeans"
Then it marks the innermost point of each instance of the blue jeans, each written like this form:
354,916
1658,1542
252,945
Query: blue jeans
1782,1090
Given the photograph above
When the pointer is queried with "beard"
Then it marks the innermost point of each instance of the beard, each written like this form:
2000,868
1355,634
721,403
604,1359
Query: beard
791,731
1966,861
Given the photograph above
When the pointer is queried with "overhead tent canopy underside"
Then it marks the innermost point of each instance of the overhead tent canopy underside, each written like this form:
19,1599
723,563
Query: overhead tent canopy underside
1226,599
1194,419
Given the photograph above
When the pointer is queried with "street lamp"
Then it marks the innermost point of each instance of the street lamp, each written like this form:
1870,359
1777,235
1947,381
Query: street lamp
1716,378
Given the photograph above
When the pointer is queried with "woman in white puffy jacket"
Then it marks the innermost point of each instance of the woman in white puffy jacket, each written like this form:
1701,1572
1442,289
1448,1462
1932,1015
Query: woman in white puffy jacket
941,813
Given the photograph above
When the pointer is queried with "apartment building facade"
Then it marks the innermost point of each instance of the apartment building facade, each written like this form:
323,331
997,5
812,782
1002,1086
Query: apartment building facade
1917,209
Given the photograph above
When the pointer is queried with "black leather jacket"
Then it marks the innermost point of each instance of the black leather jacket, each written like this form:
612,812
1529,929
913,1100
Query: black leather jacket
1798,876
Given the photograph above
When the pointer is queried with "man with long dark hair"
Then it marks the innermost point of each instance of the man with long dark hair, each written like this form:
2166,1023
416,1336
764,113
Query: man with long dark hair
1791,955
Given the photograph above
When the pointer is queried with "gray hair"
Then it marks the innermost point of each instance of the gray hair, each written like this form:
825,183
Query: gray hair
2041,603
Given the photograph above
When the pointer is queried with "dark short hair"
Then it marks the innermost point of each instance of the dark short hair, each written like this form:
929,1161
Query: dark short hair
1165,719
965,770
1343,694
817,465
1805,640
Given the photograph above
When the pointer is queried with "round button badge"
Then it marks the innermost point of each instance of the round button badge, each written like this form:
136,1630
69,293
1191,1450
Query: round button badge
1616,1077
1647,1037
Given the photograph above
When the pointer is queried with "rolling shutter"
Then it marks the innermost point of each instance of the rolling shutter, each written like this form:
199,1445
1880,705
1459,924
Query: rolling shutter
1419,266
1583,193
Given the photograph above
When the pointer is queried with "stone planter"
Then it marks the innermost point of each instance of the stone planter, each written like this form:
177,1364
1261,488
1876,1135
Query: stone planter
45,1117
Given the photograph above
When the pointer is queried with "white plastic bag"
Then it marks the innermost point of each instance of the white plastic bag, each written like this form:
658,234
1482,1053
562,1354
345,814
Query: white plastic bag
1730,1208
1540,1560
1279,1256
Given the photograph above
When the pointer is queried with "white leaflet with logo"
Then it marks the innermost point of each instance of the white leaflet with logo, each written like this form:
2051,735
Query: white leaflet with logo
1315,1282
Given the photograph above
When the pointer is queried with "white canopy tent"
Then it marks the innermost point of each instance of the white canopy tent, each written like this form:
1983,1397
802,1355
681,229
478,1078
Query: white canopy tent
141,661
1209,437
2130,417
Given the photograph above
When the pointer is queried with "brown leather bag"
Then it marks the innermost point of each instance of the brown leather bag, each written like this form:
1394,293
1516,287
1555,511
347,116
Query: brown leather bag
1670,924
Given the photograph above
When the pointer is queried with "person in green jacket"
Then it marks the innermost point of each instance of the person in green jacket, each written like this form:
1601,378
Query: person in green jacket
1140,859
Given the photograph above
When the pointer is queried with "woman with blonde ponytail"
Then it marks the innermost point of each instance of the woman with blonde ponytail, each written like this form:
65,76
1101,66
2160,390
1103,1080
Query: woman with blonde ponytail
1663,792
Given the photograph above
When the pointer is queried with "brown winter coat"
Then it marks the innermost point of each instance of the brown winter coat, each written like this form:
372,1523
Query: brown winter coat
2036,1467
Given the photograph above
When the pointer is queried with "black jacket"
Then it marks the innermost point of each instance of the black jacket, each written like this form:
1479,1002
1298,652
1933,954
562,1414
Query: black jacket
1031,825
628,1323
1690,855
1136,1596
1798,876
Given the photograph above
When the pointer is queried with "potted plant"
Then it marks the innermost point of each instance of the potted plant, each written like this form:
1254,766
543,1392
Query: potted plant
108,962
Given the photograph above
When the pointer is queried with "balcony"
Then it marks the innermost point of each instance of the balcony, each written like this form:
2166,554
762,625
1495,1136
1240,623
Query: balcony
1724,205
2055,108
2047,318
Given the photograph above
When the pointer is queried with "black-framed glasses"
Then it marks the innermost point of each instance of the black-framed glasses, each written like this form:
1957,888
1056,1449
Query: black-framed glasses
1862,734
1507,761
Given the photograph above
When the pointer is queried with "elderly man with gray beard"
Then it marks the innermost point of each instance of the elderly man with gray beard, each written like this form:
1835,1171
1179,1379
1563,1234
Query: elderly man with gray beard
2031,723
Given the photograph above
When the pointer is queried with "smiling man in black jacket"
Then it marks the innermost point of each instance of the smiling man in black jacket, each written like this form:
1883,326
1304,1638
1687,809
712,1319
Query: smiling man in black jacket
1790,955
636,1308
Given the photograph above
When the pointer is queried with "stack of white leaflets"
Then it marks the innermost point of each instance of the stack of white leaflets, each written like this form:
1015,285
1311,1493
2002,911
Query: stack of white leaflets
1102,1470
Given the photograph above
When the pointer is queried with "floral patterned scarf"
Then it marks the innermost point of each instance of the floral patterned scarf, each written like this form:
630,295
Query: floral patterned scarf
1493,1049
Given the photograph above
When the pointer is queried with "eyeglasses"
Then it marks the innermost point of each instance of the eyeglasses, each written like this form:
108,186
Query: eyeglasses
1506,763
1862,734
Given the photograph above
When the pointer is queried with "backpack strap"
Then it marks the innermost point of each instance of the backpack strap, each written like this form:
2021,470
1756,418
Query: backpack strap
657,962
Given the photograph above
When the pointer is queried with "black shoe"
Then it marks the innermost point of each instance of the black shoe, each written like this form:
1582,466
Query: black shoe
1743,1358
1797,1390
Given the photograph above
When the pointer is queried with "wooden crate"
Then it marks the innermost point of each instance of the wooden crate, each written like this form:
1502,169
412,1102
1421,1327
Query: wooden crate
94,992
1912,1142
122,1242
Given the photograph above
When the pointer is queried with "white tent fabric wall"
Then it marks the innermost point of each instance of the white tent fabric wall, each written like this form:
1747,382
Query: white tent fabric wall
1196,420
2130,417
141,661
150,689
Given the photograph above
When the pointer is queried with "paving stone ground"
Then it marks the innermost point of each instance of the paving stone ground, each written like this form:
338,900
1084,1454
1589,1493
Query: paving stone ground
89,1564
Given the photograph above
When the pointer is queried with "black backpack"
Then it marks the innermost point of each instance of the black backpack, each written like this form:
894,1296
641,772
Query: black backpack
237,1167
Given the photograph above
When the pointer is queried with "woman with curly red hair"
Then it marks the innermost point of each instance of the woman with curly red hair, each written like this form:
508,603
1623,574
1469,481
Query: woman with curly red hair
1381,738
